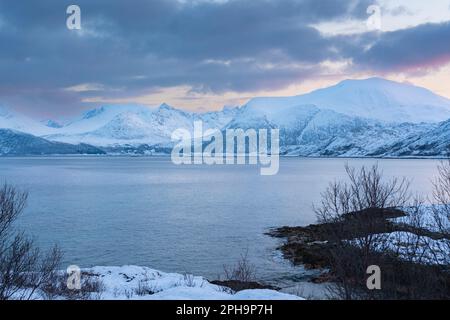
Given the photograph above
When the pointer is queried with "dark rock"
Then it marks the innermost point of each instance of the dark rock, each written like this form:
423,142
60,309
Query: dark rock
237,285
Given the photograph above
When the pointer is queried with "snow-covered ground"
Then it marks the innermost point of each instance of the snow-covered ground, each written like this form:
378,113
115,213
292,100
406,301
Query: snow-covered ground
414,247
433,218
411,247
142,283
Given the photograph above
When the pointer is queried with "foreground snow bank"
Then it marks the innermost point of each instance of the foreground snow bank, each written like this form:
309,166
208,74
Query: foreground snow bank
142,283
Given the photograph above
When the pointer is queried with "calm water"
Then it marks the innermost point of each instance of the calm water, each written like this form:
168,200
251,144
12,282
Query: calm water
147,211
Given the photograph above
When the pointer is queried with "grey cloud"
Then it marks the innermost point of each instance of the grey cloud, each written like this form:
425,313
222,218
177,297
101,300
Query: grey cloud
131,47
421,47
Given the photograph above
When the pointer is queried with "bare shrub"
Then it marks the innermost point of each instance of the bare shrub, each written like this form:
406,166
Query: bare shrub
12,203
354,216
129,294
350,209
24,270
441,209
365,189
92,288
189,280
243,270
144,289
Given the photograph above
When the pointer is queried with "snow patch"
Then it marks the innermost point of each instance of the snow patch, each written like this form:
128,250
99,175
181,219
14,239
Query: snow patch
142,283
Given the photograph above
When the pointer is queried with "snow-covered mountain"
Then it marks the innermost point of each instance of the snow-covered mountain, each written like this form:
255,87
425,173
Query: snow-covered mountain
116,125
18,143
373,98
353,137
372,117
51,124
15,121
431,143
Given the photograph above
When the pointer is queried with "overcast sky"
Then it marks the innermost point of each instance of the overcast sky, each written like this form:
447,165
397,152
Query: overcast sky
202,55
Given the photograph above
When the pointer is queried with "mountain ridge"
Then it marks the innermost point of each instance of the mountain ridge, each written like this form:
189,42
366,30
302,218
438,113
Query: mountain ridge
352,118
14,142
373,98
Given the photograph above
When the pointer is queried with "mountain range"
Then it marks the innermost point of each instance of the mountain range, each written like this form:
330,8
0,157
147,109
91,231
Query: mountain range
372,117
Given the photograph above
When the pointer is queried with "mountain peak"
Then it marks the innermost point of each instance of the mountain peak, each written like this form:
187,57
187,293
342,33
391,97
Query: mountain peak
371,81
377,83
51,124
94,112
165,106
382,99
373,98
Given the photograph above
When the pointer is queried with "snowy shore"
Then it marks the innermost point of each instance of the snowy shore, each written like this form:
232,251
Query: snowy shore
142,283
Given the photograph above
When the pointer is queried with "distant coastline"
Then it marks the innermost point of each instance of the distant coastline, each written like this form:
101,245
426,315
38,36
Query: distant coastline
167,156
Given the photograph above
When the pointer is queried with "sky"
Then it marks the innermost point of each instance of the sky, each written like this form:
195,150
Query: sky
201,55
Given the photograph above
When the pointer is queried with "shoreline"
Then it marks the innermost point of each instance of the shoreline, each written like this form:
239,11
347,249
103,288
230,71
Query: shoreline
313,246
131,282
112,155
304,245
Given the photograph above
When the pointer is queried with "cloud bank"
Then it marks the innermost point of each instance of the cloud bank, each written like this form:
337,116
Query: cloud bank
127,49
